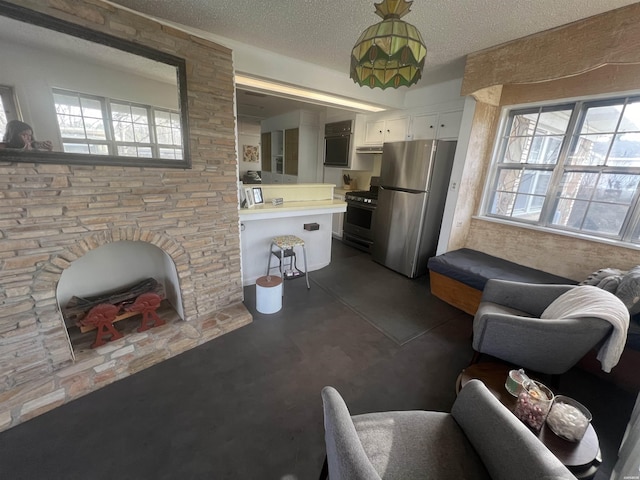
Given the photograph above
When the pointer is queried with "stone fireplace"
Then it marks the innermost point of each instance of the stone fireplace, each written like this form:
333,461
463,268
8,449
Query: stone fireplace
54,215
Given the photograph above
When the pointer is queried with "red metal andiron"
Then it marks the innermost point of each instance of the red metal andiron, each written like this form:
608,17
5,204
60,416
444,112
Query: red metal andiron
102,317
147,304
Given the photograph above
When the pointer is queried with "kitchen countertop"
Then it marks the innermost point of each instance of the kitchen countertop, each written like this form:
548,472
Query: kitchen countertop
292,209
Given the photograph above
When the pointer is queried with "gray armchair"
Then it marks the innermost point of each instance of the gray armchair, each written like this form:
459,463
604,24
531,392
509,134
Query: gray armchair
479,439
507,325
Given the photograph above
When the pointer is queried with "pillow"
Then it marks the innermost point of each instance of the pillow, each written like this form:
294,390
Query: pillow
629,290
605,278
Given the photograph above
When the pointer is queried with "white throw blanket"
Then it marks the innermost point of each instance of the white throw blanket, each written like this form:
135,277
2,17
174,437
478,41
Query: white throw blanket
588,301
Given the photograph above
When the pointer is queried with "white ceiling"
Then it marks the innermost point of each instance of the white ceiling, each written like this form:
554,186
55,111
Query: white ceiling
323,32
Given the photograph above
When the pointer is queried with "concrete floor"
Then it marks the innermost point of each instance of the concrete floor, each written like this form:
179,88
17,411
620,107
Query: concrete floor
247,405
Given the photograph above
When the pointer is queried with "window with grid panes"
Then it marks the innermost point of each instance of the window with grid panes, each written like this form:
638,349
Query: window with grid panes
573,167
102,126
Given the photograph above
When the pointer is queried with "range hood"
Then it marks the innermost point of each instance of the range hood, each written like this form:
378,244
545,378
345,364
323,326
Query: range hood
369,149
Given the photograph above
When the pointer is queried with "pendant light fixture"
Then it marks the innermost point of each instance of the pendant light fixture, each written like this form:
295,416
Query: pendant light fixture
390,53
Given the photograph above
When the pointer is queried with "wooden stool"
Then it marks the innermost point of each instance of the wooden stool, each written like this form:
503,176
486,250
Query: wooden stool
284,246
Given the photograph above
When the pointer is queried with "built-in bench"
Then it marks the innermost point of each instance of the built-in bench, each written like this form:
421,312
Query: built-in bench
459,277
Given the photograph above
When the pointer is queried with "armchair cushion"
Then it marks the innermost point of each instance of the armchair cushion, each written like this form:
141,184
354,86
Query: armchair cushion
418,444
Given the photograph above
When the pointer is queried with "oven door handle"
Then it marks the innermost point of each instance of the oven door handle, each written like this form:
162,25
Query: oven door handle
360,205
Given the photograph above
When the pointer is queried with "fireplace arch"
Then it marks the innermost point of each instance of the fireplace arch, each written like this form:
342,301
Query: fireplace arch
46,284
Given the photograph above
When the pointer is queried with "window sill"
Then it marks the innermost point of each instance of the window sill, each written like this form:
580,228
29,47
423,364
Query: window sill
563,233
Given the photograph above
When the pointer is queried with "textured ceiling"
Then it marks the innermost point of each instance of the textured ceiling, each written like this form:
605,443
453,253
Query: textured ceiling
324,31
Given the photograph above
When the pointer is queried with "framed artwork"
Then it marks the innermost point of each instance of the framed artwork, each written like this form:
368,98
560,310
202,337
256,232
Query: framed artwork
257,195
250,153
248,195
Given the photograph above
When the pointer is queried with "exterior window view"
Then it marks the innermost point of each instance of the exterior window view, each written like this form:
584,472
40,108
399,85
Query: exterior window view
571,167
101,126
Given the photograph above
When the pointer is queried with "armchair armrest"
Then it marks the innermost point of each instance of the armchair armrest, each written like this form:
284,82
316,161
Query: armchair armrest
507,448
532,298
547,345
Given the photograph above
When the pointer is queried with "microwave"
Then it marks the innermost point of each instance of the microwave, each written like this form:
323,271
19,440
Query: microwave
337,143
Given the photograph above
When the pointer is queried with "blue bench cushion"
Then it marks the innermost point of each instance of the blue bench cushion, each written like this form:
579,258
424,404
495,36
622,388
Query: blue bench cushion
474,268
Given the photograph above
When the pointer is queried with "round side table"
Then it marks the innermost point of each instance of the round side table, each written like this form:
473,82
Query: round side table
582,458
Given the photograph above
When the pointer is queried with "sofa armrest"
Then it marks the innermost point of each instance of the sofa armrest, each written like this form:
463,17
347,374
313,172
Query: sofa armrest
506,446
531,298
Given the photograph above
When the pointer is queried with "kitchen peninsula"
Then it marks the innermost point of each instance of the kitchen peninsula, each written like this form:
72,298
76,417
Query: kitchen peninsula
303,203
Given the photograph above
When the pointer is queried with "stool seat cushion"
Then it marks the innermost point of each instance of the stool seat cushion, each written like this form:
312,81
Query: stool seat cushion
287,241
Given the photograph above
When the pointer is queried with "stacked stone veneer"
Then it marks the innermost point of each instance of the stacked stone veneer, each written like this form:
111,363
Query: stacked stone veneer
50,215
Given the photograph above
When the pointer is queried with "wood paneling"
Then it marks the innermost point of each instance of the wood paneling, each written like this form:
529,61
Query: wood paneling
455,293
291,146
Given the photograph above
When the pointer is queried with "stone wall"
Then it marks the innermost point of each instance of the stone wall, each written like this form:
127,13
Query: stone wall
51,215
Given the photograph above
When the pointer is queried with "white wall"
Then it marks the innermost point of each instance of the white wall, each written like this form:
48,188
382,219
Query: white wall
116,265
248,134
34,79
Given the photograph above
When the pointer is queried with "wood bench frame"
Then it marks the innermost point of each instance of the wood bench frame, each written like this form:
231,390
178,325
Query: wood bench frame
455,293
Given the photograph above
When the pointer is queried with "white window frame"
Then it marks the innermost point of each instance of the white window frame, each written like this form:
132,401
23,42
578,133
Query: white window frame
9,106
629,232
111,142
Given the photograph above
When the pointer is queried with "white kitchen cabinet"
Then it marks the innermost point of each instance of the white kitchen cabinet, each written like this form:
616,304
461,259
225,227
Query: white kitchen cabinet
381,131
441,126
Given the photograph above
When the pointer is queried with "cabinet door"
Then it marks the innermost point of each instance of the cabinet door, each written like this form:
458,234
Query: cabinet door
291,141
374,133
449,125
395,130
265,141
425,127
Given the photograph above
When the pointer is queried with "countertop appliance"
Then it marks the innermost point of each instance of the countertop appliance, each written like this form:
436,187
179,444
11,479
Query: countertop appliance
358,219
337,143
414,180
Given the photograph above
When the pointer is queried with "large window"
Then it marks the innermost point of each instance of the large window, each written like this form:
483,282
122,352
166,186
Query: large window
101,126
574,167
8,109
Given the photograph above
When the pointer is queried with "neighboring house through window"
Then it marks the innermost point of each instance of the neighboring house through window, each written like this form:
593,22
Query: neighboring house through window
574,167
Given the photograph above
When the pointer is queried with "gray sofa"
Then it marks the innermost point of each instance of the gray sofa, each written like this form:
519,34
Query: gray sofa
479,439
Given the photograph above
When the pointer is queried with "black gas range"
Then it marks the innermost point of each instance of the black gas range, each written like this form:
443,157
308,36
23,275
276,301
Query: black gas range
362,196
359,217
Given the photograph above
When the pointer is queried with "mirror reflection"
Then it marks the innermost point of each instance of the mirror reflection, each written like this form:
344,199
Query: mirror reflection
66,99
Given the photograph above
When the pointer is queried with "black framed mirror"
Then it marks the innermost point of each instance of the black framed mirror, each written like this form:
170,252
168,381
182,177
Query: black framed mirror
88,97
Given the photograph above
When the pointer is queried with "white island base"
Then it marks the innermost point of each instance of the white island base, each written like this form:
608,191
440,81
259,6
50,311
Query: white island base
312,203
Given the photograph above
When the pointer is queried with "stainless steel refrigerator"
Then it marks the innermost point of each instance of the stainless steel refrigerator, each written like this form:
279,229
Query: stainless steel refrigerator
414,179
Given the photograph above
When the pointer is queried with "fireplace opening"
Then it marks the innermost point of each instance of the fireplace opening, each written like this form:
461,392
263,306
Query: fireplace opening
118,273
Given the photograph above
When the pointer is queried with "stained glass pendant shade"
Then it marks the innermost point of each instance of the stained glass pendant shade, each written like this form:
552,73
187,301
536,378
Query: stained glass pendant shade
390,53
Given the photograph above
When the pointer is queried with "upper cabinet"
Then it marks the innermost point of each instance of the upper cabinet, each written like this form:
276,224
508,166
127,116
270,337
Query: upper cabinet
392,130
441,126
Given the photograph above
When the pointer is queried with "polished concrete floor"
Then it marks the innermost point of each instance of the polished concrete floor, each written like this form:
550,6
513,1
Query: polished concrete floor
247,405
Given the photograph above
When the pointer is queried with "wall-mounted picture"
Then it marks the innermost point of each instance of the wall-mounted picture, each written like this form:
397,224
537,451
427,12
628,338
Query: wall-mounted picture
250,153
257,195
